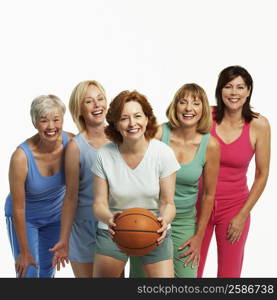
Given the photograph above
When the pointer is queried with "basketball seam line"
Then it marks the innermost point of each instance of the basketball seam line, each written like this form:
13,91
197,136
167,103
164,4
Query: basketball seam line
139,214
132,230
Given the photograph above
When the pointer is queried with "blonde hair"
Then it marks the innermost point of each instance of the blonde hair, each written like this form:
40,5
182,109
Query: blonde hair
197,92
76,99
44,105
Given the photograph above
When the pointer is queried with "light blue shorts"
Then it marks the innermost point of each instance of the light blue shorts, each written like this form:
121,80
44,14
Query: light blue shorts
82,241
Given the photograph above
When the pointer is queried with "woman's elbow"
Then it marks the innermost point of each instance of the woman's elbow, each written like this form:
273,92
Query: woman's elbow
94,207
262,175
208,198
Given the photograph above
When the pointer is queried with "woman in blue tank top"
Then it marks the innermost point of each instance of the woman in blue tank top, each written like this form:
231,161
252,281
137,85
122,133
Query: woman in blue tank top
88,107
37,188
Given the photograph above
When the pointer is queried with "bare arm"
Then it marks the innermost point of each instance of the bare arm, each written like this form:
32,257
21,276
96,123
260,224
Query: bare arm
101,205
261,129
262,160
72,171
210,174
17,177
167,204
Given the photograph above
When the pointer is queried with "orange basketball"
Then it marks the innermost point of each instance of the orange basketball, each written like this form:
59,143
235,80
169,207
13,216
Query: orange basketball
136,231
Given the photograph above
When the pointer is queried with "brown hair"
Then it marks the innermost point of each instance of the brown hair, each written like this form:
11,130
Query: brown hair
225,76
115,111
196,91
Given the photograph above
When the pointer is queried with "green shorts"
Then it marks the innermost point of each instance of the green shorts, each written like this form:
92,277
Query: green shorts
106,246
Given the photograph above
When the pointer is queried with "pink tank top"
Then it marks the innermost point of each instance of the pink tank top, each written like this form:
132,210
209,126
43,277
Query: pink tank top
234,162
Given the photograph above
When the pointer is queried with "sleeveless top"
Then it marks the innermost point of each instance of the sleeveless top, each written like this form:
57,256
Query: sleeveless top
234,161
43,194
85,194
187,177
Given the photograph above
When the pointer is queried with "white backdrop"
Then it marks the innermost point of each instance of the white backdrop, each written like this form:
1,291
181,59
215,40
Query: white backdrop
153,46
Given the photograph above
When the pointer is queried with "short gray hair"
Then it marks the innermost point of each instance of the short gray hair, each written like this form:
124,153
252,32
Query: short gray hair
45,104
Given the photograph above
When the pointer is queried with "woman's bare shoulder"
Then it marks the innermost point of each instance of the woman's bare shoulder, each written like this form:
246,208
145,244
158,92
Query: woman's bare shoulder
260,123
18,156
70,134
213,144
159,133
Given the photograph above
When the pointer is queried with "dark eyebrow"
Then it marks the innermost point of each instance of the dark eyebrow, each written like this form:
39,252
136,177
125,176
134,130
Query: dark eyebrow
133,114
236,84
194,99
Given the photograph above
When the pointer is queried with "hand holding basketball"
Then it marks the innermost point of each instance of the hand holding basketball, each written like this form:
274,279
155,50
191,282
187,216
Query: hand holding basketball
137,231
162,230
112,223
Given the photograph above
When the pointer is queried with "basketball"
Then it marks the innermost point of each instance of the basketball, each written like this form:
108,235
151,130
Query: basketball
136,231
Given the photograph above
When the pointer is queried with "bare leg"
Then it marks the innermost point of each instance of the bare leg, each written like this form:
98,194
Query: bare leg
161,269
82,270
122,275
106,266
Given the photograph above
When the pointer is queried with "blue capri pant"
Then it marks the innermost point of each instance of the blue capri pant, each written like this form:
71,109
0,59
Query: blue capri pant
41,237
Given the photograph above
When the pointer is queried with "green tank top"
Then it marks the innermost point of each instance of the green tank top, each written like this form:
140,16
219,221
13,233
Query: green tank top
187,177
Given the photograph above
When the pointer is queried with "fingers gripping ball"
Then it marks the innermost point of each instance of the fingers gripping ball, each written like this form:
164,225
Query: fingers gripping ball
136,231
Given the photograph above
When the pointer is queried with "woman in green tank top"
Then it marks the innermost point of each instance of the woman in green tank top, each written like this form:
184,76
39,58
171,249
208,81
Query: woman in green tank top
189,121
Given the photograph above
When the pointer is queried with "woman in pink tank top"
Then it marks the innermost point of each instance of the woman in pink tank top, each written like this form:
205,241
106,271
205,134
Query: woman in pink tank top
241,134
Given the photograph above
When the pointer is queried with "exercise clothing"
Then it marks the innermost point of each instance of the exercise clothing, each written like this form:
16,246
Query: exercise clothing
138,187
187,177
43,197
184,224
43,194
231,194
83,233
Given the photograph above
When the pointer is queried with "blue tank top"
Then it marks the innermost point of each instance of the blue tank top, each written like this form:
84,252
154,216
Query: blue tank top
43,194
85,194
187,177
